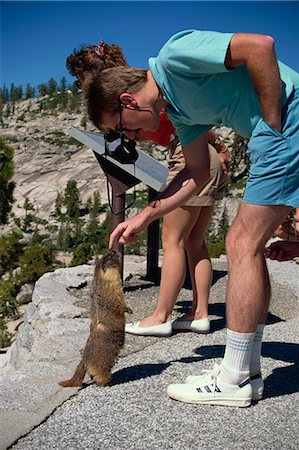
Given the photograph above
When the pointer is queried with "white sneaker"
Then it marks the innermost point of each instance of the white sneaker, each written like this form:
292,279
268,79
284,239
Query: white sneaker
211,390
197,326
164,329
256,382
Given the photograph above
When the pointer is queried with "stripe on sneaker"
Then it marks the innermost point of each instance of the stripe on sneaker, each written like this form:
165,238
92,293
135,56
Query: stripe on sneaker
208,389
256,376
244,383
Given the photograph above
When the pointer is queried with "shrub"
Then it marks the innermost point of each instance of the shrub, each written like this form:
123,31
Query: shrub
216,248
5,336
36,260
82,254
8,302
10,251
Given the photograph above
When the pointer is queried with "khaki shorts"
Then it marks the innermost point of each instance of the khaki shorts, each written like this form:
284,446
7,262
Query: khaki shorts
213,190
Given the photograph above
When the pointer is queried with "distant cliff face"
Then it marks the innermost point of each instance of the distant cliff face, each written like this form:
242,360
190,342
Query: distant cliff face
46,157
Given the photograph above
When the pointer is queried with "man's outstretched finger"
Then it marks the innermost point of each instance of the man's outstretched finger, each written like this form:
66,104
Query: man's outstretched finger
116,235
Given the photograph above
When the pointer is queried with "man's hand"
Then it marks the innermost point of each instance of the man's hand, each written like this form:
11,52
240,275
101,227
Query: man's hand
282,250
225,160
127,232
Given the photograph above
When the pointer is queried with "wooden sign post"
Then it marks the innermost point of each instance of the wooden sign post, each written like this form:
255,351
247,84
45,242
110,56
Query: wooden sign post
122,177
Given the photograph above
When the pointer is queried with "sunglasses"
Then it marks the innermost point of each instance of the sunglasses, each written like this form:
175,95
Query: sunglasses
121,129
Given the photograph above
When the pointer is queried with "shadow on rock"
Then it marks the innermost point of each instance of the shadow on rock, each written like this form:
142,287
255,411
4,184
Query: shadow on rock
138,372
283,380
217,275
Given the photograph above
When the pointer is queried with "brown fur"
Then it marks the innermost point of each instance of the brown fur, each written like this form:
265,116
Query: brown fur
107,329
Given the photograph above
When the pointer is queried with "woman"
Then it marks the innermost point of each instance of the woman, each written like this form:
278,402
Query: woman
183,229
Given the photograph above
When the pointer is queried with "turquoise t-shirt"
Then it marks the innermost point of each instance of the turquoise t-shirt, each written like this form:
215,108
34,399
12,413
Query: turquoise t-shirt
202,93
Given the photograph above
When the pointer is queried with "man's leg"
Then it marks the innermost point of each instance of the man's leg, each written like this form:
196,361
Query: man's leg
248,300
248,291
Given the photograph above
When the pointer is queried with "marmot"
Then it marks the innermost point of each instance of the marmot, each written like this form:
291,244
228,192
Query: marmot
107,329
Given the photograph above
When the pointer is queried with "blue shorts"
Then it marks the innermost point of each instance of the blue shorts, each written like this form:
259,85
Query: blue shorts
274,171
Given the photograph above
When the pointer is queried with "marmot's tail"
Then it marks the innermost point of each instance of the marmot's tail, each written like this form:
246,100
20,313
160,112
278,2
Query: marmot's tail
77,378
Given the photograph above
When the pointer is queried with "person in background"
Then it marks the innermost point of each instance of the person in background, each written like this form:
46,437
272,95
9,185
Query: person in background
282,250
289,228
184,228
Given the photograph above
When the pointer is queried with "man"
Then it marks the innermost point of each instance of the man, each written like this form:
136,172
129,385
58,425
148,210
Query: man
203,78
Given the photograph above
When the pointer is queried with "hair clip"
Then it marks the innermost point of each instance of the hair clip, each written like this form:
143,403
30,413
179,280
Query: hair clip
102,47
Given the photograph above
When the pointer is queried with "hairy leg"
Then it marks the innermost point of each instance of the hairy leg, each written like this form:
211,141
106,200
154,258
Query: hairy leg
177,226
200,265
248,292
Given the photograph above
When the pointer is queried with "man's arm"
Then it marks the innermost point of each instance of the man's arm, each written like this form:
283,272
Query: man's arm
257,52
189,181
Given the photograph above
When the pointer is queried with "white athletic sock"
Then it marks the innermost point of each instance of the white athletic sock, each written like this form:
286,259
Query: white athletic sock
255,362
235,366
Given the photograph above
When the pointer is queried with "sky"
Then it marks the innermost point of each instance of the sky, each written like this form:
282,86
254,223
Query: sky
37,36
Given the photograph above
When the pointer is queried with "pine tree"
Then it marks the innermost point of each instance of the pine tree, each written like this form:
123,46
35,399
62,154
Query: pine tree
52,86
28,206
72,199
239,166
62,86
58,204
4,94
223,225
42,89
6,185
63,93
83,122
29,92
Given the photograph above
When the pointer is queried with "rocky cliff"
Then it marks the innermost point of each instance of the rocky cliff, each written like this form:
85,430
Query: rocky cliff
46,157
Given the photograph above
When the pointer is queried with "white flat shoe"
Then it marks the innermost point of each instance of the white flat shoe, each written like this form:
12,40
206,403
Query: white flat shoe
164,329
197,326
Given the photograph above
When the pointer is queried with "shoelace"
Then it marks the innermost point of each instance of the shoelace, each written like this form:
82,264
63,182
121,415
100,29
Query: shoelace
211,376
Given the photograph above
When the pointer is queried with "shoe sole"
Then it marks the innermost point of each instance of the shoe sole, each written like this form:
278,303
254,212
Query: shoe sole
148,334
156,331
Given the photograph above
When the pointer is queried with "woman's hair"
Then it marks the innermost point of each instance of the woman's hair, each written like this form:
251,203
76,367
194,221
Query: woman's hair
94,57
103,74
102,90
